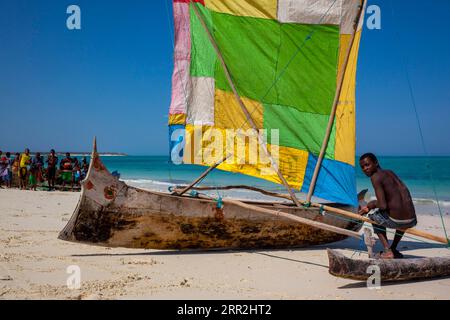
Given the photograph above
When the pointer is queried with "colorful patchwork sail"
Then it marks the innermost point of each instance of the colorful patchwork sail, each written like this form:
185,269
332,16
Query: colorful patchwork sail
285,59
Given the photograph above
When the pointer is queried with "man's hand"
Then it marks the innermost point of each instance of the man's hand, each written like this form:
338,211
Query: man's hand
364,210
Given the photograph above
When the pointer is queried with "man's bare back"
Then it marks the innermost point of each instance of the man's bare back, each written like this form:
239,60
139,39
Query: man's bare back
393,195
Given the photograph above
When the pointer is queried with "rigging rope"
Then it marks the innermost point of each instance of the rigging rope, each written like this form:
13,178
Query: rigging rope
419,125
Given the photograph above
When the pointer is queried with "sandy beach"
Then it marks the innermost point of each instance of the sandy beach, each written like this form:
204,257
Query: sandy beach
33,263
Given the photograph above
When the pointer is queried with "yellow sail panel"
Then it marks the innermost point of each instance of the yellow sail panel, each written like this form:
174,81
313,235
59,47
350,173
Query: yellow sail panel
344,149
177,118
228,113
292,164
207,145
249,8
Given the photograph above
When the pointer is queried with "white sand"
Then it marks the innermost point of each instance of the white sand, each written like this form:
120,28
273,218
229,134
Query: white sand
33,264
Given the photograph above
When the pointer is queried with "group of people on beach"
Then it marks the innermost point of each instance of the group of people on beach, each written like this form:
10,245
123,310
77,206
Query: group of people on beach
34,170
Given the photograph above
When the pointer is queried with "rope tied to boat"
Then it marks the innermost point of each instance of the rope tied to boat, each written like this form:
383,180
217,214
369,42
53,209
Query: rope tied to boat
307,205
219,203
322,210
193,193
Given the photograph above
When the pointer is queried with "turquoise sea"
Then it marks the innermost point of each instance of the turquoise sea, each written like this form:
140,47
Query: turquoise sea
155,172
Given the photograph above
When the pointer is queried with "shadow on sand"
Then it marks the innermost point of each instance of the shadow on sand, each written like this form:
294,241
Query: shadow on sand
362,284
349,244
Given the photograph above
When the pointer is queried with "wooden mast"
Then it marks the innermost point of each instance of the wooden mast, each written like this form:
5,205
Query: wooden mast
334,108
244,109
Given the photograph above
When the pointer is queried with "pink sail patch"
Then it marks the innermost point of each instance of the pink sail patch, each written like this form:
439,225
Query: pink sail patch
182,58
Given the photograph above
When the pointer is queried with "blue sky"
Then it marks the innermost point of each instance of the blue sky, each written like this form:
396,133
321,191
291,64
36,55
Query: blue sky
112,78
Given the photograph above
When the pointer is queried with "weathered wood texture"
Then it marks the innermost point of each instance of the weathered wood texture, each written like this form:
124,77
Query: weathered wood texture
390,270
111,213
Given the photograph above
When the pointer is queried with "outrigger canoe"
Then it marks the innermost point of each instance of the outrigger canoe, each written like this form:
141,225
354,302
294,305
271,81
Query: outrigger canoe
343,266
113,214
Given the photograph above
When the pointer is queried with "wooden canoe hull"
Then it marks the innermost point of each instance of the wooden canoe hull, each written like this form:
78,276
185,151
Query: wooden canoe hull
390,269
111,213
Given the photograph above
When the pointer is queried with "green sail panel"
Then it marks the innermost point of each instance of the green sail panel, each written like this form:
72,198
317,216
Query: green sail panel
203,56
300,130
260,52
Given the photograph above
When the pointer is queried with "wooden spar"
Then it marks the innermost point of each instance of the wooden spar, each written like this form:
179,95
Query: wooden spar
308,222
267,193
333,109
204,174
244,109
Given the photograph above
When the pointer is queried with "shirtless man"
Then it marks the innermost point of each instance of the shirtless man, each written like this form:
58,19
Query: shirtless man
393,208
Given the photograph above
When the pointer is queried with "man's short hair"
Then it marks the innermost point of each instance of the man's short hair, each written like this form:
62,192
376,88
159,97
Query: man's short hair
369,155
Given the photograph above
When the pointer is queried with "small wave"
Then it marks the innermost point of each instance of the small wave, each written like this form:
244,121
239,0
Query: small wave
426,201
431,201
147,182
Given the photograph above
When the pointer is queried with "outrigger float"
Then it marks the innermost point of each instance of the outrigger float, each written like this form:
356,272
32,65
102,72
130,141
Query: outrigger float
388,270
342,266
